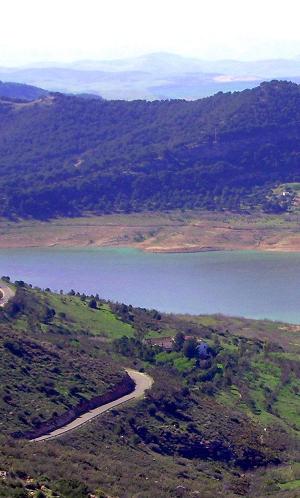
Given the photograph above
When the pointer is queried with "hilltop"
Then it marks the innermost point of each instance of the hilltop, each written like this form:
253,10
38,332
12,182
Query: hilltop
9,90
224,420
228,151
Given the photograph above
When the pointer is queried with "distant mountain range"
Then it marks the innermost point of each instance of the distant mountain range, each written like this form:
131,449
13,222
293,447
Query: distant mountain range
153,76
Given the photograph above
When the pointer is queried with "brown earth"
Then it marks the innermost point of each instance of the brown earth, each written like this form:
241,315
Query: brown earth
154,232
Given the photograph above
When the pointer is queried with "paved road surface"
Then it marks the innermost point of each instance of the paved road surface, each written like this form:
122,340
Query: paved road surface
6,294
142,383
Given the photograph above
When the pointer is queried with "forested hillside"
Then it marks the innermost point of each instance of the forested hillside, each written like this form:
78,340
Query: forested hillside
66,155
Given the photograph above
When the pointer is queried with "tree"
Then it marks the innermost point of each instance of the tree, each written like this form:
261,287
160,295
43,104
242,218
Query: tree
93,304
190,348
179,341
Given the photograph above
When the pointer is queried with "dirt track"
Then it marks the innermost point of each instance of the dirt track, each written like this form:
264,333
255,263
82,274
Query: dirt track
142,383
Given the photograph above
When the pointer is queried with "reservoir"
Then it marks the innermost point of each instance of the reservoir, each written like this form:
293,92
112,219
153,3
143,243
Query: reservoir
240,283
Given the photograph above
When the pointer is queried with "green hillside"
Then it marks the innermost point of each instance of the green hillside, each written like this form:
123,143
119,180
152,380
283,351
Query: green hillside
225,423
86,155
45,369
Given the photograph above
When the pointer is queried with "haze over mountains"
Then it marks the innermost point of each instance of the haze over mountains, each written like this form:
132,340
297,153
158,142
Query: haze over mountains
153,76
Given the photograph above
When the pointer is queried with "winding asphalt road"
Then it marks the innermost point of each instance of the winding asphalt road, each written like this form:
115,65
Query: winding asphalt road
142,383
6,293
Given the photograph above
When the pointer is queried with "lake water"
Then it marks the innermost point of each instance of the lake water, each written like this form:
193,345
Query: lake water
251,284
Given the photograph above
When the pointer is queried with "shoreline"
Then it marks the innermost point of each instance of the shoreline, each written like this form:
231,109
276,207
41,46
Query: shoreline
184,250
152,250
174,232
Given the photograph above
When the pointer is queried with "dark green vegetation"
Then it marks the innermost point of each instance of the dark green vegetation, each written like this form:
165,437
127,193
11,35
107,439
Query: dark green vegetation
45,369
20,91
66,156
222,420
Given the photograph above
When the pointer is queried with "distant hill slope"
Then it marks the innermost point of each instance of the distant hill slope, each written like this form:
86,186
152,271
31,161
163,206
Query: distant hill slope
67,155
21,91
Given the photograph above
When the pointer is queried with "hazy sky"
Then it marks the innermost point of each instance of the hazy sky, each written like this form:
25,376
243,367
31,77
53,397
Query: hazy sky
66,30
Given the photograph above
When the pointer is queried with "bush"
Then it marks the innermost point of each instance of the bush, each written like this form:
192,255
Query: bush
190,348
40,494
72,489
152,410
15,348
93,304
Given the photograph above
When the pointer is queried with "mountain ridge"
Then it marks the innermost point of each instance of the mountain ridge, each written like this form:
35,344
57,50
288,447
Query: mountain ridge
226,151
21,91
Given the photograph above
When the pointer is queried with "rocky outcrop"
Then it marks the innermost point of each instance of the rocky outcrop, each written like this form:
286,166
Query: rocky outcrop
124,387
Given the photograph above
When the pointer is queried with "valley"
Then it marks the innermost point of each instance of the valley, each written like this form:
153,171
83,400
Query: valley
150,249
184,217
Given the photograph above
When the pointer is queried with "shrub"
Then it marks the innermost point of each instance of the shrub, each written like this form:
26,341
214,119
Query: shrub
72,489
93,304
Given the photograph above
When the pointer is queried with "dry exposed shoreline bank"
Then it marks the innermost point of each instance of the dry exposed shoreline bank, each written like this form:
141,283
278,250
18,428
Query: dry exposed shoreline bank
155,232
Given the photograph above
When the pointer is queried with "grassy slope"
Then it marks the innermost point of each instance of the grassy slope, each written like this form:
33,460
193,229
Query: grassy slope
149,439
285,335
78,316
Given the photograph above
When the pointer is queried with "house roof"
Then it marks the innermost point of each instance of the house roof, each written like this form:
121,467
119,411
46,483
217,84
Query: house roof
163,342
